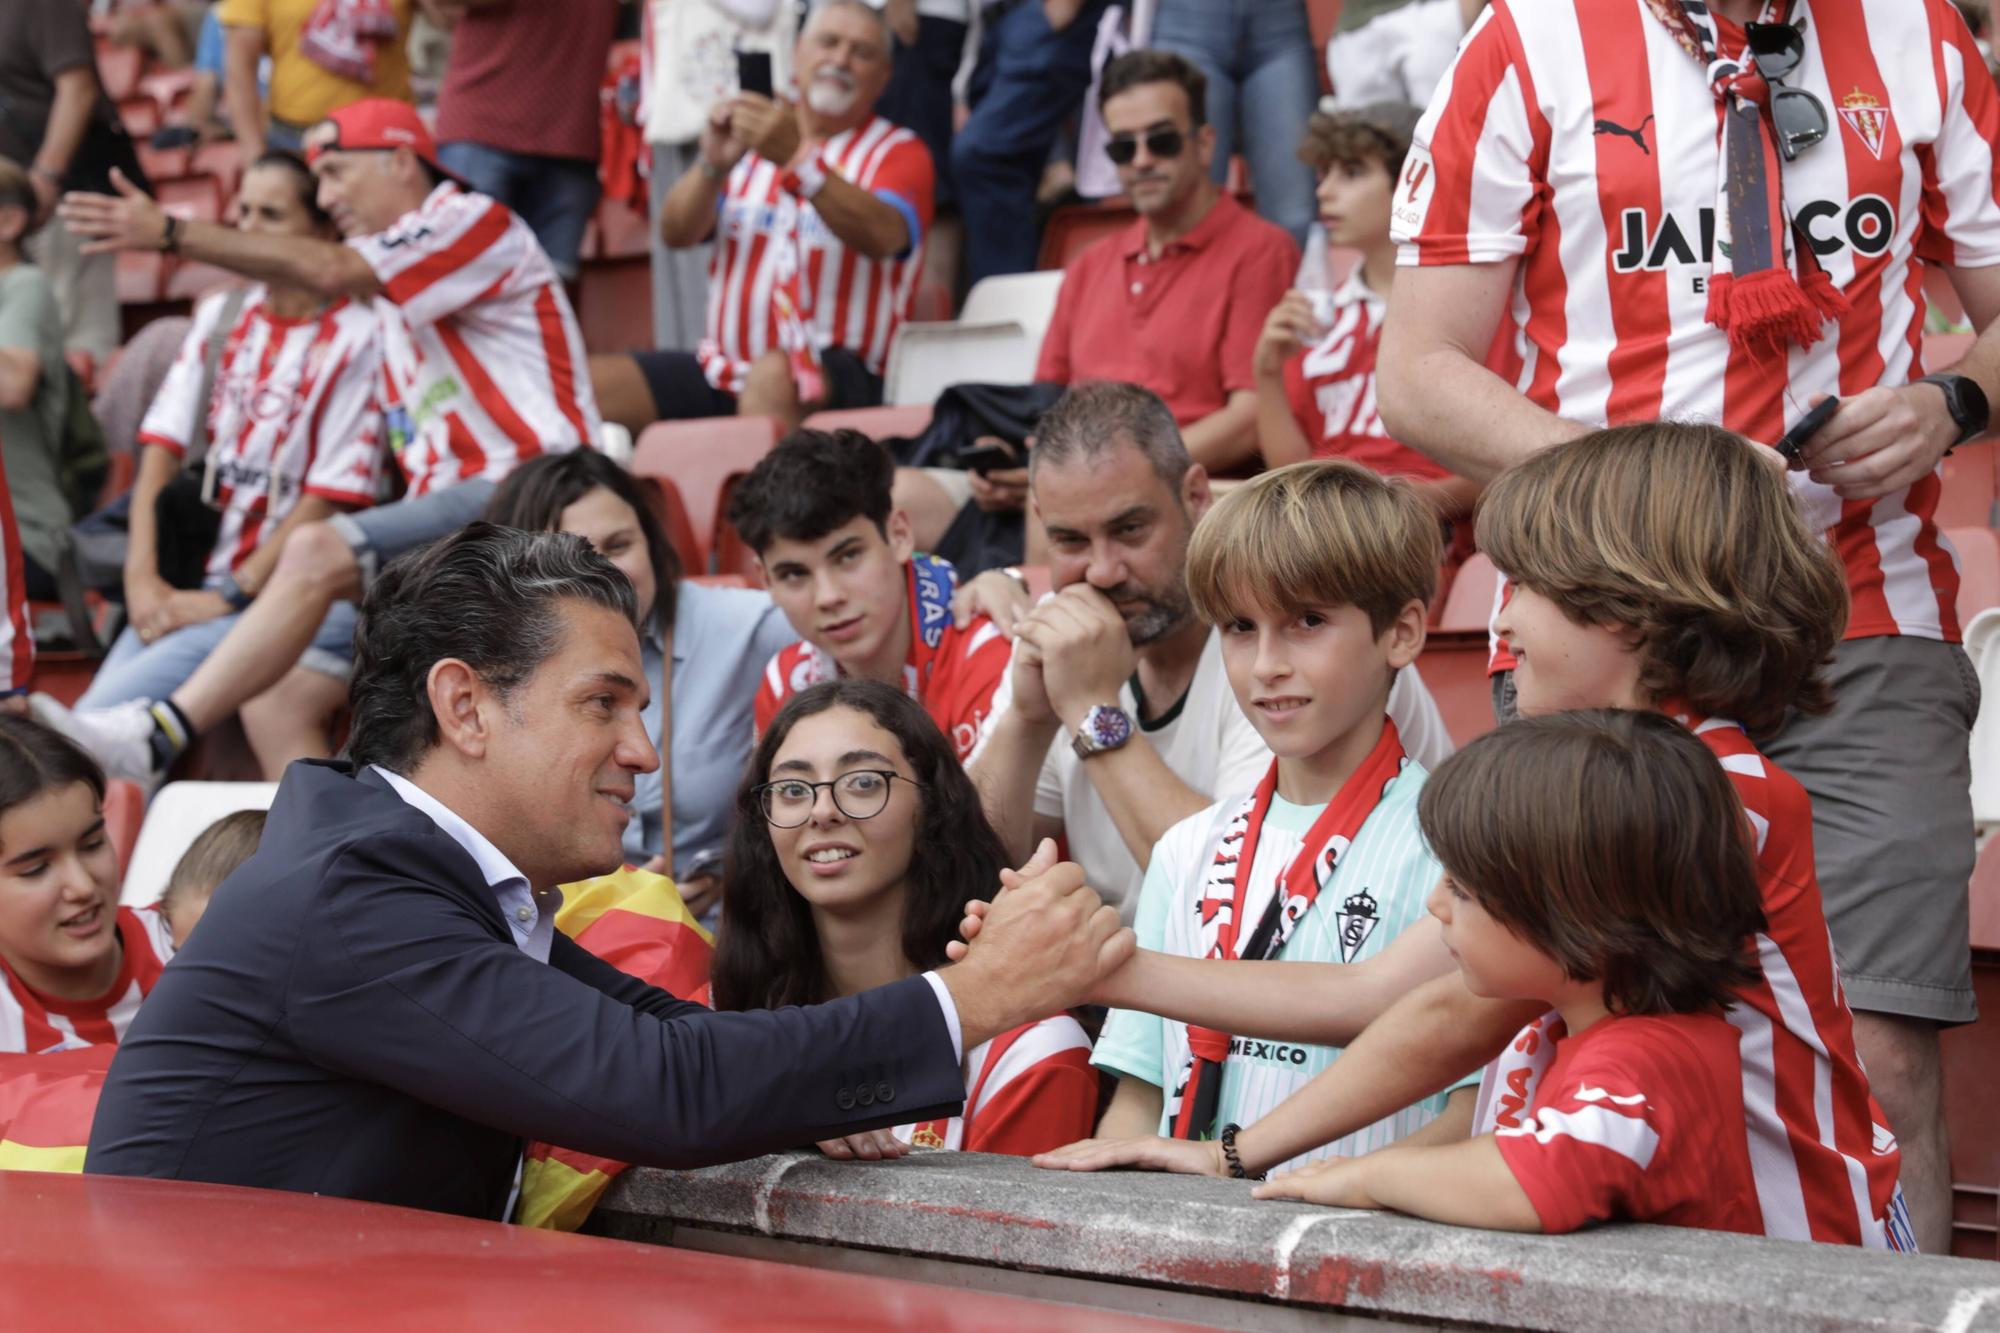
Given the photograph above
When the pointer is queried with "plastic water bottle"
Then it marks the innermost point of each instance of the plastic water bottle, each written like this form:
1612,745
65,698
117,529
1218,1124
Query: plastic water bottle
1315,277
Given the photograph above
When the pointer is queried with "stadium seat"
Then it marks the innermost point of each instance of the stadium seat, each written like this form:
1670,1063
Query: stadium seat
927,358
1978,570
118,69
1468,608
142,276
1454,670
180,811
140,115
621,231
673,516
614,304
1074,229
1029,299
1324,16
701,458
1971,1053
1970,483
124,812
194,197
1942,351
877,423
163,164
222,160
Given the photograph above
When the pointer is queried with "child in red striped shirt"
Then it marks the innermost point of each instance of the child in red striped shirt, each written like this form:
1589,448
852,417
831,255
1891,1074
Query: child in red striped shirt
1599,862
73,964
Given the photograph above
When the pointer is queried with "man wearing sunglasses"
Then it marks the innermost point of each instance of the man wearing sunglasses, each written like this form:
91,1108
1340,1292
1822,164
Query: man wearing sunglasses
1726,212
1175,301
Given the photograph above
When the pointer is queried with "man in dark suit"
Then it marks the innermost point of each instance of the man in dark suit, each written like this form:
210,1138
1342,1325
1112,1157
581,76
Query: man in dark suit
377,1004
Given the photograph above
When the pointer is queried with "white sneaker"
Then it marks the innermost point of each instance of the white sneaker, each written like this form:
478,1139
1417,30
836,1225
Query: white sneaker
119,737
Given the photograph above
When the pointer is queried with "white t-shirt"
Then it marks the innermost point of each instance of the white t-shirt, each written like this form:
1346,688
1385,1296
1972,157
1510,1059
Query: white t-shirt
1207,742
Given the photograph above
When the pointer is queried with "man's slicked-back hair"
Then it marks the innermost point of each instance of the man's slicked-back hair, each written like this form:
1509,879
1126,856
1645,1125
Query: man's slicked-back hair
1149,66
1096,416
812,483
488,596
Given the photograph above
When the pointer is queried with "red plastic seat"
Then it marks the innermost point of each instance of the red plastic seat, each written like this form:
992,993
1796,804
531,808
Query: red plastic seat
140,114
223,160
877,423
1468,607
1970,484
1942,351
118,69
702,457
672,513
164,163
1454,670
196,197
1978,570
124,812
1075,229
621,232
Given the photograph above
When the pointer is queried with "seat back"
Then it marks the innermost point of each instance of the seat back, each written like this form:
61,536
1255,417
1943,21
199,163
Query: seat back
1969,482
1468,607
179,813
877,423
701,458
926,359
1029,299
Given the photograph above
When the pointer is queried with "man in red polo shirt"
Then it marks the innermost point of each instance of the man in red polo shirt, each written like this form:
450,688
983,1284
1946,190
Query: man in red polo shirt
1173,303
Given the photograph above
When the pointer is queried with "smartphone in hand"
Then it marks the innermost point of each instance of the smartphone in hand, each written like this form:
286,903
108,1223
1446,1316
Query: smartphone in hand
753,72
1793,442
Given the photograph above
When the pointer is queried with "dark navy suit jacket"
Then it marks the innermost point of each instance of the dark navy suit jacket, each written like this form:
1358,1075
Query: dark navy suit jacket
354,1018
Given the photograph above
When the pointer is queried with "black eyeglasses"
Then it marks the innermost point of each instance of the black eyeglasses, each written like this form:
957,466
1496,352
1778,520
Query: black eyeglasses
1797,117
859,794
1166,143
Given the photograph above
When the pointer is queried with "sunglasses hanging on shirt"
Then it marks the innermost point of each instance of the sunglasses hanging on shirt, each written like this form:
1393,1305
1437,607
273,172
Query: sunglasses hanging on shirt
1797,117
1164,144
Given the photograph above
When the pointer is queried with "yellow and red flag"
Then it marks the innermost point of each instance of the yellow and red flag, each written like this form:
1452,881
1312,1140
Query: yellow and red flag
46,1105
637,922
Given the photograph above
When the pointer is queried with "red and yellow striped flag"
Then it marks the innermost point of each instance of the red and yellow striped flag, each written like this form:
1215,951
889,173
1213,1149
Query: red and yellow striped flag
637,922
46,1105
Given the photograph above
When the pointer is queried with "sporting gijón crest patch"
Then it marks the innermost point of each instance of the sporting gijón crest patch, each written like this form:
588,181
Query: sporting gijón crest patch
1357,920
1867,119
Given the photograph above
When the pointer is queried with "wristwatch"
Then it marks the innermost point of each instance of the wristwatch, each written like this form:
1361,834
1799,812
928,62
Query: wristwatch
233,594
1104,727
1966,402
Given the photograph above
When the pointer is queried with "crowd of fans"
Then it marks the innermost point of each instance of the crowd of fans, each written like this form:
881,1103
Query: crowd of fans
1596,965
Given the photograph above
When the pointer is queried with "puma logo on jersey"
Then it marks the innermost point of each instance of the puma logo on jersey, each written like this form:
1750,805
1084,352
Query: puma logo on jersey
1867,225
1637,136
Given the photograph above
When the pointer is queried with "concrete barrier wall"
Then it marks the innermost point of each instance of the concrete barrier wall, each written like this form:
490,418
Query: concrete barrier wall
1131,1240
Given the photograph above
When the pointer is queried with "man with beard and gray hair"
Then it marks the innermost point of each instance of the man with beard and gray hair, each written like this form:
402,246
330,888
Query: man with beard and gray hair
819,208
1116,720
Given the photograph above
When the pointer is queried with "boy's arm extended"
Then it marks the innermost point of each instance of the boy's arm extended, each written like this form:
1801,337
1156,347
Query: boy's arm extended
1426,1041
1324,1003
1467,1184
1134,1111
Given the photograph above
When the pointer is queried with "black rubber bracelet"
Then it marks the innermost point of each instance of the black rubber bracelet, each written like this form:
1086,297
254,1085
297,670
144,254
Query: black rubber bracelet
1228,1139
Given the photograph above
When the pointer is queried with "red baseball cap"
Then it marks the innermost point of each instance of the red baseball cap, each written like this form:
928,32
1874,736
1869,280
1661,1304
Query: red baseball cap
376,123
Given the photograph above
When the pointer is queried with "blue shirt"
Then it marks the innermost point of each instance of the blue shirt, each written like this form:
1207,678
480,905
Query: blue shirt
722,639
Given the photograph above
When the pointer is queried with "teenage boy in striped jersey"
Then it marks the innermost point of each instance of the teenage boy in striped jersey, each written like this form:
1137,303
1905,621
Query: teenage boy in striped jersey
1659,567
1317,576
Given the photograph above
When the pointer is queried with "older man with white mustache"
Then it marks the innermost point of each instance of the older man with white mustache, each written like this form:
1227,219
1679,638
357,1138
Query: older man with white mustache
819,208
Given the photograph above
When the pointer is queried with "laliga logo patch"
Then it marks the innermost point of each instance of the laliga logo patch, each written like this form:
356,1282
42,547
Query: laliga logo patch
1357,920
1412,200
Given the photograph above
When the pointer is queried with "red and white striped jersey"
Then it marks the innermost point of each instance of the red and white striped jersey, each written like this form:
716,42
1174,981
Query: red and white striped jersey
33,1023
1579,139
779,273
1635,1120
1331,388
294,411
1028,1091
1823,1163
17,634
952,672
483,362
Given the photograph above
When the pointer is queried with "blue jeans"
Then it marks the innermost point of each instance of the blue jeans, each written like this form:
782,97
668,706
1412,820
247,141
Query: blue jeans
554,195
152,671
1263,81
1027,82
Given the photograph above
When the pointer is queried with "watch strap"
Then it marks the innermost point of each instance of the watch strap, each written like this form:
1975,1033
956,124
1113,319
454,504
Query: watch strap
1966,402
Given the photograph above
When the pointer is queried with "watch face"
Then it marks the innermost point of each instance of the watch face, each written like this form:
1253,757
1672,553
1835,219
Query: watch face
1109,727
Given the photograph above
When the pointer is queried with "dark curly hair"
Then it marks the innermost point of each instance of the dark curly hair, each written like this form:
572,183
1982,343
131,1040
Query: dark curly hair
768,953
534,495
1682,534
1612,841
810,484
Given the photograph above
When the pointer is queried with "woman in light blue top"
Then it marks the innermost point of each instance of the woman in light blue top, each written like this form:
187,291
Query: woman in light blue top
720,639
